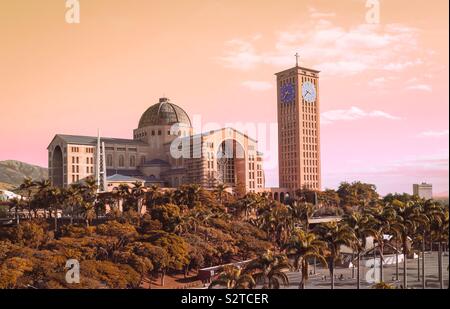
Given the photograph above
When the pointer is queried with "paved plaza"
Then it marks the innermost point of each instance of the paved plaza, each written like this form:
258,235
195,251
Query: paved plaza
321,280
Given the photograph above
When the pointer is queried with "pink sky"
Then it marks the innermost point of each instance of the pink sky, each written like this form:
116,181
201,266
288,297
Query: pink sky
384,87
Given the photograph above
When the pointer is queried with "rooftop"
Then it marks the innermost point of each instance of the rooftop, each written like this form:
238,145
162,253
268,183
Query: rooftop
92,140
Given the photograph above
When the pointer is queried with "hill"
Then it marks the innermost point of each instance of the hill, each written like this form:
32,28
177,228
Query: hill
13,172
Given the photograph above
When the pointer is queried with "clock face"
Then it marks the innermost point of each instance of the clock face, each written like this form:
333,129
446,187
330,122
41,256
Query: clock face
287,93
309,92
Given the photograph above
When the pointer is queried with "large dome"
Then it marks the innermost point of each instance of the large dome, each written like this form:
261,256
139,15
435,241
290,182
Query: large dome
164,113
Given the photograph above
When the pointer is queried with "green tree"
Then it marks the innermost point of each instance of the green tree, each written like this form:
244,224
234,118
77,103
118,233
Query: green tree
335,235
169,215
409,217
362,223
26,187
233,277
270,269
303,246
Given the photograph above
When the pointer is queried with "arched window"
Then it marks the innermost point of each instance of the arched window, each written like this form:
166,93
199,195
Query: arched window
121,161
132,161
109,160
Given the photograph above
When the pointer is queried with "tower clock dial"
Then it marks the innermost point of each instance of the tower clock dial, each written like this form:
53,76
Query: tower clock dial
309,92
287,93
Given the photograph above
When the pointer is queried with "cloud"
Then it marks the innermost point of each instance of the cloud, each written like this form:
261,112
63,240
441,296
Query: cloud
353,113
330,48
417,167
241,54
420,87
314,13
400,66
381,82
431,133
257,85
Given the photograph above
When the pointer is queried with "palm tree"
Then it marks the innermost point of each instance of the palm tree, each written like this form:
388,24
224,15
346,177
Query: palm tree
55,199
188,223
304,246
138,193
409,217
233,277
89,194
124,193
152,196
16,204
439,234
249,202
43,186
192,194
27,187
269,268
336,235
220,191
384,224
434,212
362,225
303,212
73,198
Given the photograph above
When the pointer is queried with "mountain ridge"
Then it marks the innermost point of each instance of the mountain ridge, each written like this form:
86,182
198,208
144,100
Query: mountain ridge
12,173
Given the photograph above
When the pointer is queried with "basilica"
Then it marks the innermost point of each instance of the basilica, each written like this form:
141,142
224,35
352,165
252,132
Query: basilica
164,151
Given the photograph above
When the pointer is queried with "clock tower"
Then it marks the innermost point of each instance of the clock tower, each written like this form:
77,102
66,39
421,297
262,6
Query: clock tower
298,107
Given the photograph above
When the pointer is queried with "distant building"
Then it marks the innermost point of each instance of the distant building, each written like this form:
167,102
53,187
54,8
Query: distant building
8,195
423,190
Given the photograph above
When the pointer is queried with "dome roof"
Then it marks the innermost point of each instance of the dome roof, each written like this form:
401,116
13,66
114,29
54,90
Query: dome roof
164,113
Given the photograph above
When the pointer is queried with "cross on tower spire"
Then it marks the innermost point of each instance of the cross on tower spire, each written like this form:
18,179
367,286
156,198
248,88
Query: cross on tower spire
297,56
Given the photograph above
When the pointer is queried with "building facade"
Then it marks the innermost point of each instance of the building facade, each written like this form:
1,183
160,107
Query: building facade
298,107
164,151
423,190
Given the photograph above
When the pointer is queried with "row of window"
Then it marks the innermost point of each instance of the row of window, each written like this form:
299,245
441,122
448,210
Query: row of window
77,149
310,169
310,117
309,124
313,185
310,147
309,139
76,160
310,162
309,109
159,133
310,132
308,154
132,160
75,178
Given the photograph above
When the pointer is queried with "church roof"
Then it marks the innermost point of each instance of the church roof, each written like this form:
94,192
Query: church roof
215,131
119,177
164,113
92,140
